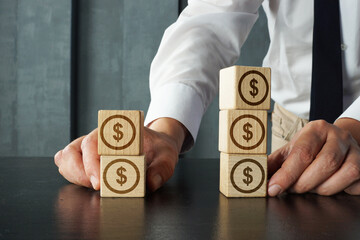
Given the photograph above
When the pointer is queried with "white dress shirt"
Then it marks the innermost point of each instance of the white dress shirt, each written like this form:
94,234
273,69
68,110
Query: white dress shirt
208,36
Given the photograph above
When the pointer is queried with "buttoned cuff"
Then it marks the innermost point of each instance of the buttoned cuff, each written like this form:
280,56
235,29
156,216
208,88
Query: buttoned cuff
180,102
353,111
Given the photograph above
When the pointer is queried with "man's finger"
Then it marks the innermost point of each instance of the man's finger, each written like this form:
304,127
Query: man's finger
353,189
327,162
71,166
75,145
302,152
159,171
276,159
91,159
344,177
57,158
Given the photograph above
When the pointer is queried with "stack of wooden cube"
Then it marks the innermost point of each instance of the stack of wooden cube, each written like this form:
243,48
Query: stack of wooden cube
244,100
120,146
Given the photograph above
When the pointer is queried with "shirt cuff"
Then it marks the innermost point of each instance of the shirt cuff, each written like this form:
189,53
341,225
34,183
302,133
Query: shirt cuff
353,111
180,102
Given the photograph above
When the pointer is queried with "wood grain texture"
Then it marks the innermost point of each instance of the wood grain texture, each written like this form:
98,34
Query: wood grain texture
243,175
120,132
122,176
243,87
243,131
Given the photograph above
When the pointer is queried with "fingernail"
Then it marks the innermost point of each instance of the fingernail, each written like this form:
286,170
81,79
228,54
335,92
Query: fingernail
274,190
94,182
157,181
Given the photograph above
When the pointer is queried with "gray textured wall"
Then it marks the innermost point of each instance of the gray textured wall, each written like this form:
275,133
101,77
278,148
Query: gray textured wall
116,41
34,76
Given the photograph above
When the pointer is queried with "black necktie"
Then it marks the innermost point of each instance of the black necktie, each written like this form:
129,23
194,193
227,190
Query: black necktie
326,85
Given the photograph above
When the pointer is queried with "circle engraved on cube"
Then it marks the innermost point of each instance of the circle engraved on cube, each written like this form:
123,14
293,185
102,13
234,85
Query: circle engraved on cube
246,162
112,187
232,135
247,79
123,145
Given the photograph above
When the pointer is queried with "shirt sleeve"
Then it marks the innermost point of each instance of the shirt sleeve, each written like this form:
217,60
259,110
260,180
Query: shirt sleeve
353,111
206,37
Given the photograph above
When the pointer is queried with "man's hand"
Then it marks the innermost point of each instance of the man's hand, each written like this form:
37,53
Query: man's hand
322,158
79,161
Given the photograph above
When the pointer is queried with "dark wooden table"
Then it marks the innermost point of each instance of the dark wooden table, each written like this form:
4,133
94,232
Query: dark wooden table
37,203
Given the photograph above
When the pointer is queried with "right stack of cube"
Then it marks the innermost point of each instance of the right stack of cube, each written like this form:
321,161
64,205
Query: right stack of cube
244,100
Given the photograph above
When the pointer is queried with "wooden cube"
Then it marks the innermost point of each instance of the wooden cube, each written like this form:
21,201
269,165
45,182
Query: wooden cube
242,131
243,175
120,132
122,176
244,87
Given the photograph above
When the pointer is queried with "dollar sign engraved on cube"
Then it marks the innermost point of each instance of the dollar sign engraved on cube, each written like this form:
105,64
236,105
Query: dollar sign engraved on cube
119,134
249,133
254,90
123,178
249,178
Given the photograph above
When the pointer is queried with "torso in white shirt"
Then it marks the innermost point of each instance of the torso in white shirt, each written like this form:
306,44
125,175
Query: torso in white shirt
290,53
209,35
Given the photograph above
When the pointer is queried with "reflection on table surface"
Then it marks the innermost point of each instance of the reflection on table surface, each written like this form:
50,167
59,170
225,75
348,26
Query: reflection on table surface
290,216
176,216
313,216
189,206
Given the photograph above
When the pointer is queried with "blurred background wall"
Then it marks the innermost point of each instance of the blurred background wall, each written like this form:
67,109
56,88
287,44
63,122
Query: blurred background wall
62,61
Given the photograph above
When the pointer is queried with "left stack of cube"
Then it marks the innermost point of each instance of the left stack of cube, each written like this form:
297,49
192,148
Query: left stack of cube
120,146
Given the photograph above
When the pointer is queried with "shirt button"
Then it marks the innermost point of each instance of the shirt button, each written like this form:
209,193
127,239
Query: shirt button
343,46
